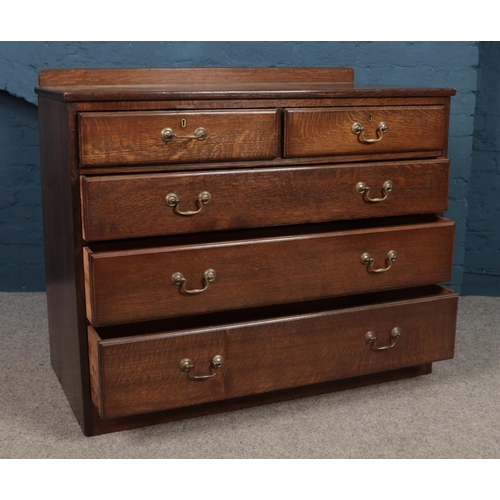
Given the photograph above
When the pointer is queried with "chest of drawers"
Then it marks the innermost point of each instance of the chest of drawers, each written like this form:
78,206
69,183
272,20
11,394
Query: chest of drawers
220,238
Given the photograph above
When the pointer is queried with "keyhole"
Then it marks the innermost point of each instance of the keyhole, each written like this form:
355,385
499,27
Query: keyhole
183,123
370,118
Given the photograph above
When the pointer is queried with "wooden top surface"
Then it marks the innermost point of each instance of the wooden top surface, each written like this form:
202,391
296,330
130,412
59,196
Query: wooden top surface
213,83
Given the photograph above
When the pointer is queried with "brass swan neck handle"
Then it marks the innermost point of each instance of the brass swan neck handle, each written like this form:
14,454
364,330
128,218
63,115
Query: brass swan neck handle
359,130
371,339
172,200
367,260
187,365
178,279
363,189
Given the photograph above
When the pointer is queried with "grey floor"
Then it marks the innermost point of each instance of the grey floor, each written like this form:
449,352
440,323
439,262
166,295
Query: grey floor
452,413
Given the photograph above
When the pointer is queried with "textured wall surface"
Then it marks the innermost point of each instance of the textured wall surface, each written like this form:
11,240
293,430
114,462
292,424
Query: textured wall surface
482,263
21,238
443,64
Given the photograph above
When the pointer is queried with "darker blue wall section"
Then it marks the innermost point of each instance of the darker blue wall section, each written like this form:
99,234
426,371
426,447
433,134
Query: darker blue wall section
21,236
482,263
428,64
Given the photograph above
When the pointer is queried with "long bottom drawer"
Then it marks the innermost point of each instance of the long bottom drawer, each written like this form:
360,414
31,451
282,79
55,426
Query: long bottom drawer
321,341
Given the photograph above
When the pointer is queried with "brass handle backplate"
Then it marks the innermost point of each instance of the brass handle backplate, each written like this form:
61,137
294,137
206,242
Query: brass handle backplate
371,339
167,134
367,260
178,279
187,365
363,189
359,130
173,200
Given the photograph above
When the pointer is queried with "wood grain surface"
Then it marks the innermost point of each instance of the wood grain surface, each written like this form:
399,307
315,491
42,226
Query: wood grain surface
94,367
327,131
274,163
135,138
150,84
186,76
161,417
136,285
277,102
215,92
141,374
121,206
63,256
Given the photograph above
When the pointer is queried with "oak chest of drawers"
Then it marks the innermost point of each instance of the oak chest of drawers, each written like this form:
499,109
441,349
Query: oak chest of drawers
220,238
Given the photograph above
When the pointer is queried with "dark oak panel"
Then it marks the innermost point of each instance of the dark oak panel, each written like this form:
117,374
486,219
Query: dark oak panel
94,368
190,76
117,207
274,163
327,131
62,265
278,102
141,374
214,84
293,90
136,285
147,379
135,138
123,423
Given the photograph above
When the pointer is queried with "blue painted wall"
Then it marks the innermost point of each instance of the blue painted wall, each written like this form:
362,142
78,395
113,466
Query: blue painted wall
482,263
443,64
21,237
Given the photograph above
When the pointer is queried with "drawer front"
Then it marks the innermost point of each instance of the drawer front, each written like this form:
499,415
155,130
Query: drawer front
329,131
142,374
133,138
117,207
140,285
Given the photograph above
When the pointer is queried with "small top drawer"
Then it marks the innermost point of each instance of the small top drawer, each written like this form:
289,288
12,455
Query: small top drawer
132,138
361,131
